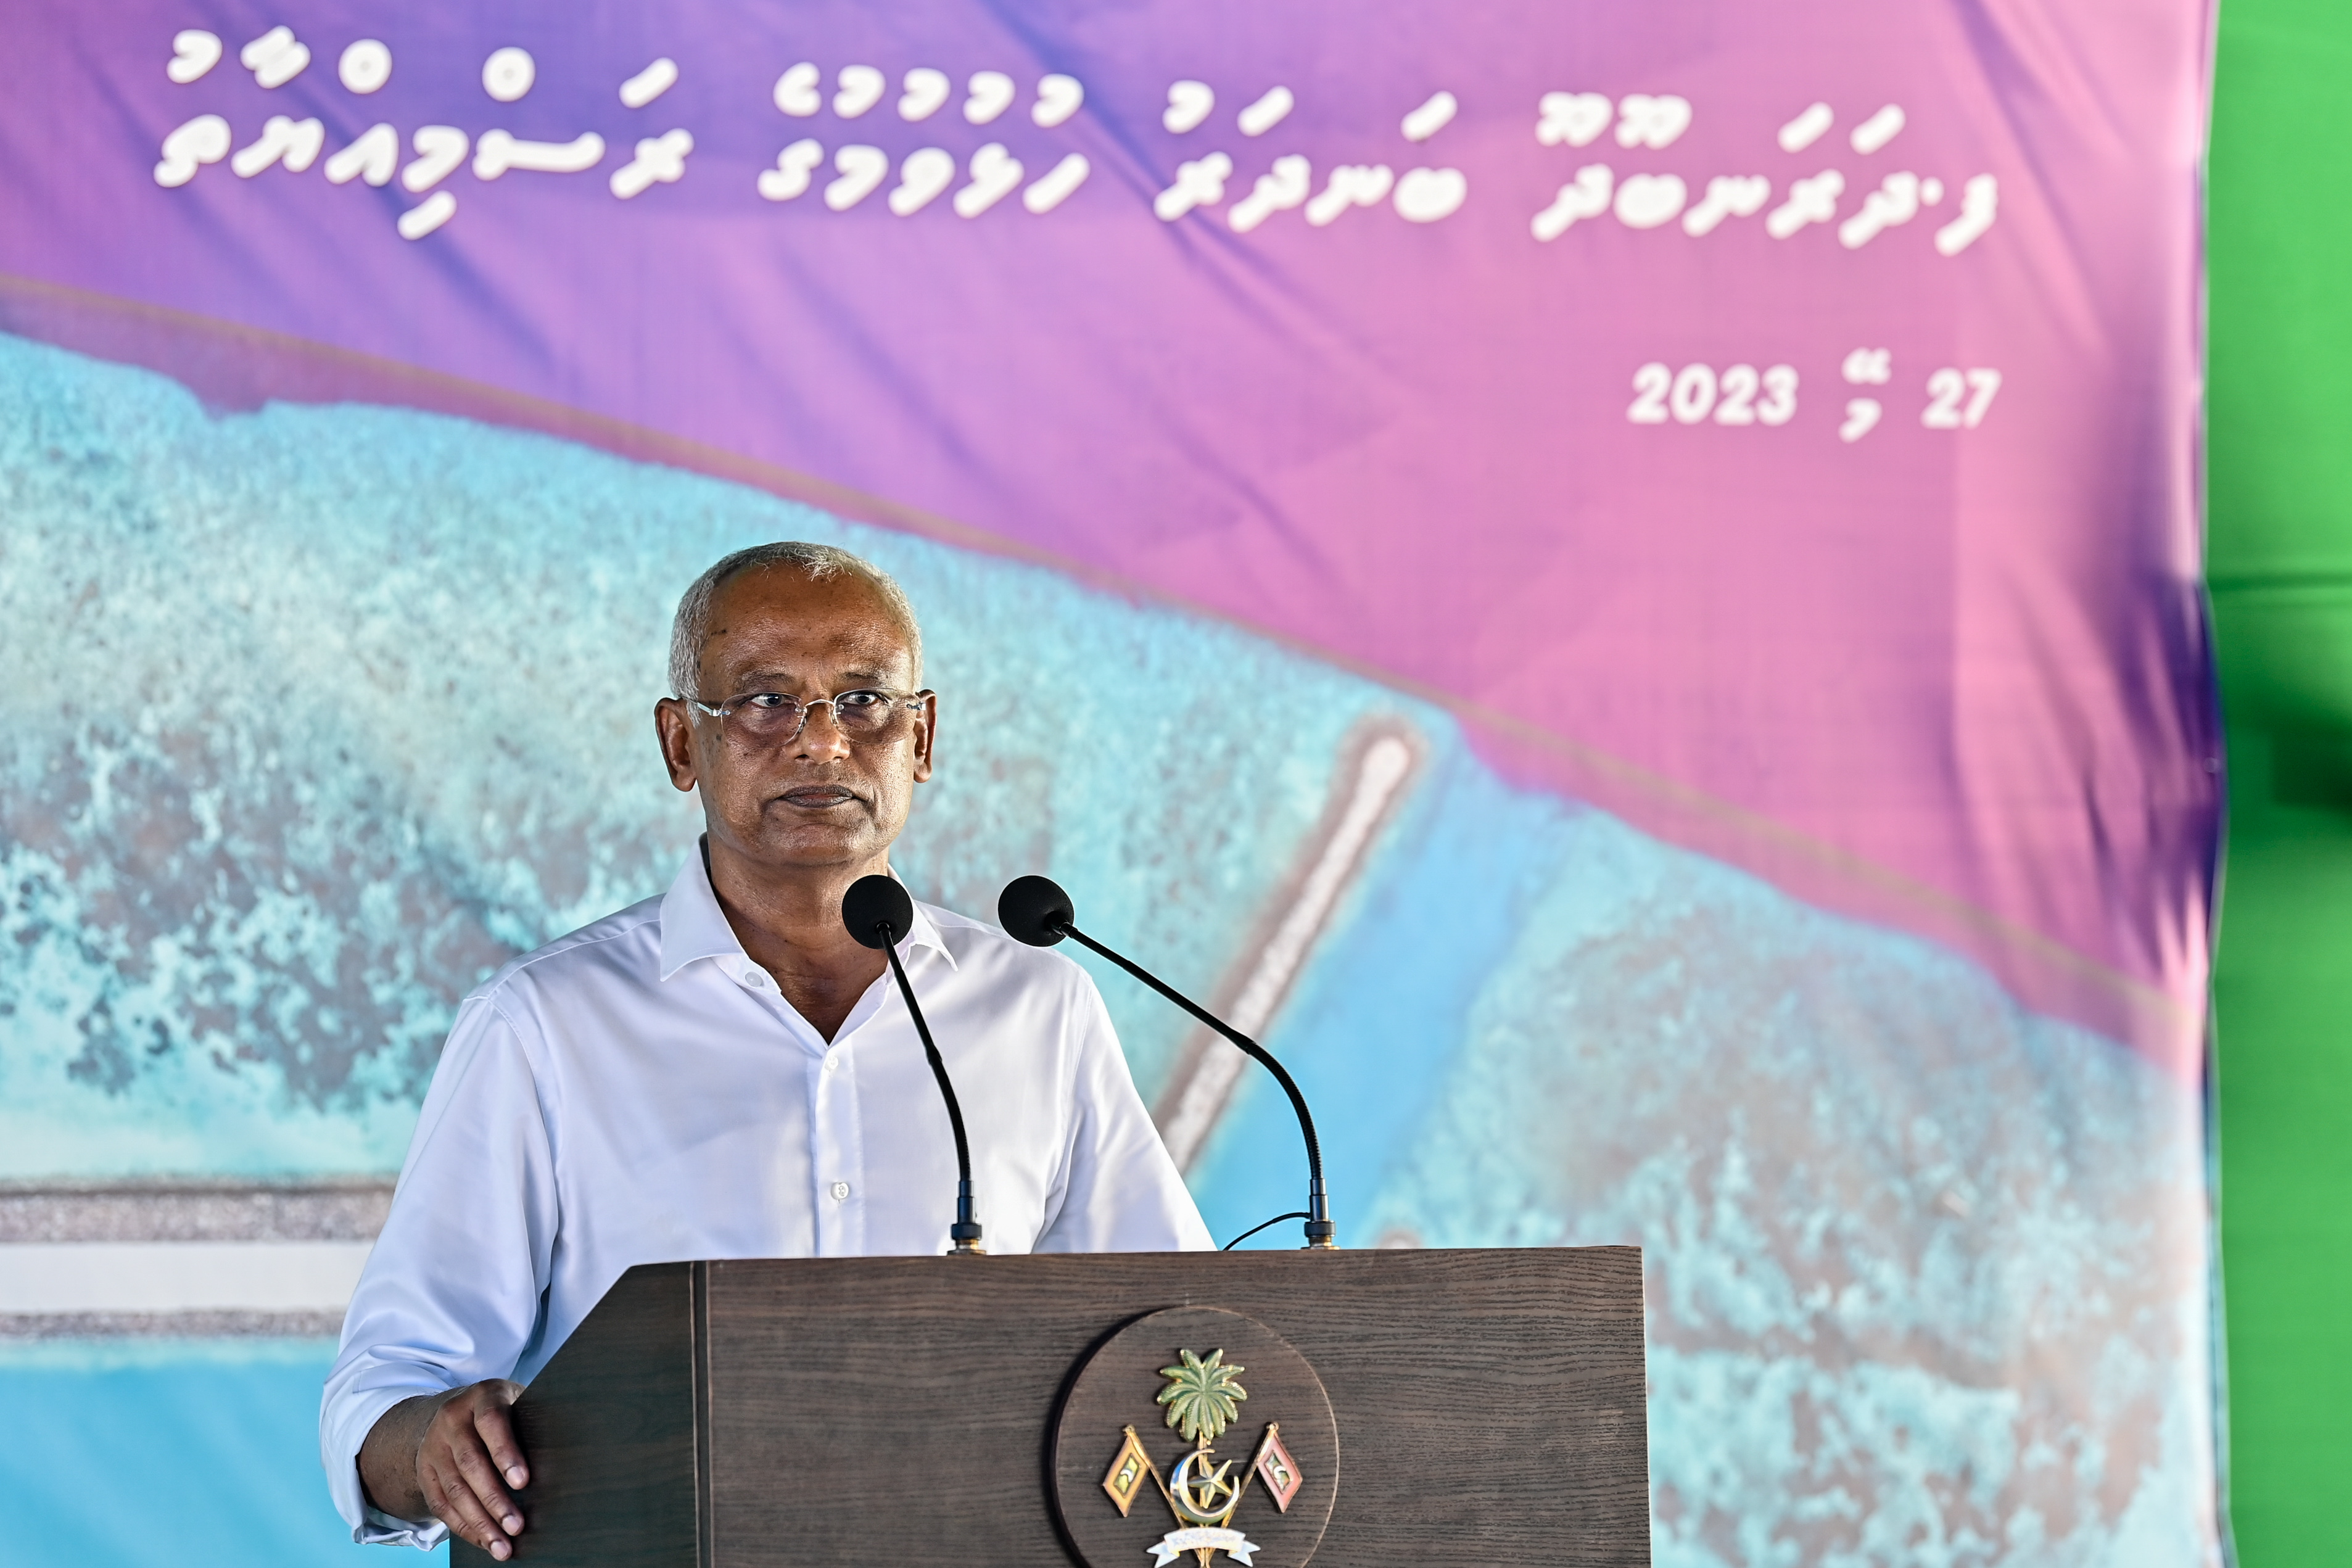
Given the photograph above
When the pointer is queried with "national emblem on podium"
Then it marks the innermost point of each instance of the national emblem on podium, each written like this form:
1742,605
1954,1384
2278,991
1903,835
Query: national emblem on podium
1202,1399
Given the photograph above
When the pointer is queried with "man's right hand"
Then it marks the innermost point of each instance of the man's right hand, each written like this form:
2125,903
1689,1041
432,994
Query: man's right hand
452,1456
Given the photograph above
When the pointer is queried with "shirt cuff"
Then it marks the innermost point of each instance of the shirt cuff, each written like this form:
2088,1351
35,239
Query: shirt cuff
377,1528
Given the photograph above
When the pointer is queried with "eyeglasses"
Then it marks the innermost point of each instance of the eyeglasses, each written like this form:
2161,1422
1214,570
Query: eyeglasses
772,719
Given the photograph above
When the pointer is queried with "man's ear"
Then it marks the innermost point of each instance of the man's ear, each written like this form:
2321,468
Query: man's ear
927,738
674,731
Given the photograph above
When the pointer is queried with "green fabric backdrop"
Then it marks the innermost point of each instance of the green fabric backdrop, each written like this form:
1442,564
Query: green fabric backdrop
2280,564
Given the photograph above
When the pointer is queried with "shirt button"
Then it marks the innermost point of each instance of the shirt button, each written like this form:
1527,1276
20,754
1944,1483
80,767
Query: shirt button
832,1060
756,980
840,1191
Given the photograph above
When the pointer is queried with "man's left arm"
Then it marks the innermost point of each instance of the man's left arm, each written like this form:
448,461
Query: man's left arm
1123,1192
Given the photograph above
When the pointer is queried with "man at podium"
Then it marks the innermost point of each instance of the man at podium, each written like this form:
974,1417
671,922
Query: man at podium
723,1071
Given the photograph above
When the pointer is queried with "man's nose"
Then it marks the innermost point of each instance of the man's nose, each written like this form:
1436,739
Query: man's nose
828,742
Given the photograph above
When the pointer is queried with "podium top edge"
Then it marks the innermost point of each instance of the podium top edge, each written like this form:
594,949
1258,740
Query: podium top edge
1501,1259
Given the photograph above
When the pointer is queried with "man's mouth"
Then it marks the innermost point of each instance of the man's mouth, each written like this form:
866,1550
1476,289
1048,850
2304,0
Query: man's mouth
817,797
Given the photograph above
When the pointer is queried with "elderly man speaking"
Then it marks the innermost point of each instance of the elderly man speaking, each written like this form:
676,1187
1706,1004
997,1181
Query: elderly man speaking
723,1071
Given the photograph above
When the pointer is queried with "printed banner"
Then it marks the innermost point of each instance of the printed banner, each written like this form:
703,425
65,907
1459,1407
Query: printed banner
1620,582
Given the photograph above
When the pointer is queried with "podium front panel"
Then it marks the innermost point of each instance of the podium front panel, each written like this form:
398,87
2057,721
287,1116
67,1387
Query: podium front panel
1489,1406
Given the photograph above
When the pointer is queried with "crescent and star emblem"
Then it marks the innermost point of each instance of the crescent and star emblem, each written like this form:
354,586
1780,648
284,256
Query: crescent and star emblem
1195,1494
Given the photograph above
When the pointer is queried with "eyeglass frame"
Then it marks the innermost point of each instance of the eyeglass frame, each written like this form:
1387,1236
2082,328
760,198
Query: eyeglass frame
911,702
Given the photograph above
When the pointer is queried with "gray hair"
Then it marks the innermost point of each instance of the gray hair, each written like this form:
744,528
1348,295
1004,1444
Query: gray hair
819,563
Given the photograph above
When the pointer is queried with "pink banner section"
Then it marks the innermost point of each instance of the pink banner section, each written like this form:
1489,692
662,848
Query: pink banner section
1775,427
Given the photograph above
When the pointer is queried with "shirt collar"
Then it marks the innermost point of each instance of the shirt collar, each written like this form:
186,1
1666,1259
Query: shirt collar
693,925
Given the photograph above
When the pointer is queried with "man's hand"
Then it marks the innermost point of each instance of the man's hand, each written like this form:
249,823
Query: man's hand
452,1456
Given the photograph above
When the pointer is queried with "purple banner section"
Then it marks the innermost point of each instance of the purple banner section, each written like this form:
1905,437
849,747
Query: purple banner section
1774,424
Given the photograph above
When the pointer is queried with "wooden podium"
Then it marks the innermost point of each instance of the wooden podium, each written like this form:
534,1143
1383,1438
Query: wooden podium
1428,1407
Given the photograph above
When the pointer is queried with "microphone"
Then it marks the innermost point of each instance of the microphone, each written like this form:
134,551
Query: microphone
1036,910
877,911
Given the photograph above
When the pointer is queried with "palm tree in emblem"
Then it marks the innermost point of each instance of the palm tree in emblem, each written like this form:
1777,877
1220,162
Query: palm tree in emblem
1202,1397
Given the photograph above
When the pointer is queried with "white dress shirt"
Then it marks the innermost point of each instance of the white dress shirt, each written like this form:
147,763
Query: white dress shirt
639,1092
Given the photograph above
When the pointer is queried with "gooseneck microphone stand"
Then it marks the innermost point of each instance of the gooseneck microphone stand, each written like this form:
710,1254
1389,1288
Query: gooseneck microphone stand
878,911
1036,910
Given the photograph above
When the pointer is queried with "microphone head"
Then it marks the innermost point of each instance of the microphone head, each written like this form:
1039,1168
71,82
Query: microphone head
1034,910
874,903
